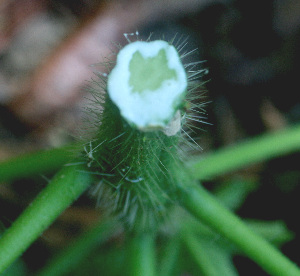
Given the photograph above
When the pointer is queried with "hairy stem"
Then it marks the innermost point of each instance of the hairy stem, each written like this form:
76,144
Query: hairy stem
65,188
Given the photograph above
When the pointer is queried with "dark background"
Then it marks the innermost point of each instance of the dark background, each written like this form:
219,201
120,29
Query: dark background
251,49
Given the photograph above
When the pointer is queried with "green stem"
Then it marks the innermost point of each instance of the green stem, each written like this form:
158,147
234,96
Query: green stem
35,163
169,259
257,149
142,255
66,187
203,206
198,253
69,258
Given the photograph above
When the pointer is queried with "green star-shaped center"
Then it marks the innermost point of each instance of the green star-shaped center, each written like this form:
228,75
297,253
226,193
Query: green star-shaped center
149,73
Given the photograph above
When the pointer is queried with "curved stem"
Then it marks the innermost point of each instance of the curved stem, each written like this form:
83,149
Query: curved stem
235,157
65,188
203,206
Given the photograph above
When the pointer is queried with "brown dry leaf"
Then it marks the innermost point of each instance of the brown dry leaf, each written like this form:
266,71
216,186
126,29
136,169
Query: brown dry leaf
13,14
273,119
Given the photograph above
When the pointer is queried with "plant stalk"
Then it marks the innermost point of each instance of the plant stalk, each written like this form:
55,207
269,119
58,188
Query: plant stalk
65,188
39,162
204,207
69,258
241,155
142,255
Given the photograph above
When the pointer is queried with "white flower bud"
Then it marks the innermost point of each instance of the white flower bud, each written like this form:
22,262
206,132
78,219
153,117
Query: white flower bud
148,84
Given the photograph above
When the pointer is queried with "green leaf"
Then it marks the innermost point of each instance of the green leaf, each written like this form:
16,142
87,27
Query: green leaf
234,192
275,232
